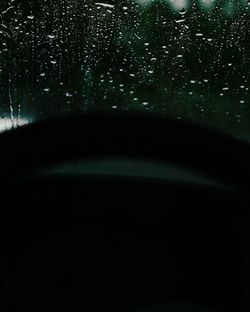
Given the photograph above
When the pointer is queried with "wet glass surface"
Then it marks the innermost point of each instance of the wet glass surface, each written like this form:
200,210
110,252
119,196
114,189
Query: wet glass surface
186,59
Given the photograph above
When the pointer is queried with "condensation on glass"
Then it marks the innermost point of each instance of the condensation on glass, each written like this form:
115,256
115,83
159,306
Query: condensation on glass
187,59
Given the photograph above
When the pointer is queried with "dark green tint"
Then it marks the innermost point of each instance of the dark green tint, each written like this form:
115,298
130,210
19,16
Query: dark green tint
186,59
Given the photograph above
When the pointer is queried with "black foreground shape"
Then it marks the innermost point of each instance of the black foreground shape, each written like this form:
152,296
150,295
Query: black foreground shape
76,242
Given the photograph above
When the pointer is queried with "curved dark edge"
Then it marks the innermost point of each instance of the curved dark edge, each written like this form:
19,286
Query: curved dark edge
125,135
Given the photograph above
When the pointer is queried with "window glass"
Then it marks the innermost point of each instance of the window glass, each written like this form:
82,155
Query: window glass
187,59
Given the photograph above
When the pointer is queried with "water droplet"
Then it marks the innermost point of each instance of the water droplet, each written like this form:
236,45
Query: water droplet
31,17
182,11
180,21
